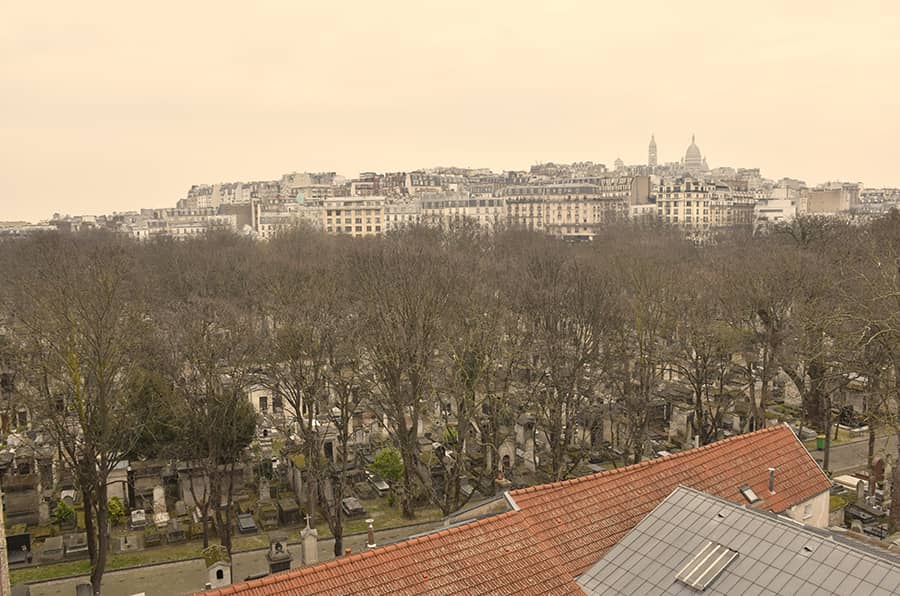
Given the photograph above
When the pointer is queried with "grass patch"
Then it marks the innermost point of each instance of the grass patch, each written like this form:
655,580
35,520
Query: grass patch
42,572
163,554
837,501
385,518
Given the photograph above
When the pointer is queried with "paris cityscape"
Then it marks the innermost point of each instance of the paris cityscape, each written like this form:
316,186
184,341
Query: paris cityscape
573,201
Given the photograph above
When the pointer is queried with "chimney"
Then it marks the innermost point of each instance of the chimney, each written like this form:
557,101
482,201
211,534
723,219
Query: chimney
772,480
370,542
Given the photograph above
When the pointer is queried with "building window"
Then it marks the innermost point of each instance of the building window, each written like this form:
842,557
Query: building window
263,403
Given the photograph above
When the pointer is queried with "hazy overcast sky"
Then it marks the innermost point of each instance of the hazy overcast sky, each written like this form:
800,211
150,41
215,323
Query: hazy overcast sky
116,105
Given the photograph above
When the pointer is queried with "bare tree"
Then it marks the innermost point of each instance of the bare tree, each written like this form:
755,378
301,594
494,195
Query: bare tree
701,350
403,283
303,306
202,312
79,319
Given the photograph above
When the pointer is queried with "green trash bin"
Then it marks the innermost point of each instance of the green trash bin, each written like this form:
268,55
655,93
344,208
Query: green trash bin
820,442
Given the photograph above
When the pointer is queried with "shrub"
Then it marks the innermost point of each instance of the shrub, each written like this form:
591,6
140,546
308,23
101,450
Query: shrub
388,464
116,511
63,513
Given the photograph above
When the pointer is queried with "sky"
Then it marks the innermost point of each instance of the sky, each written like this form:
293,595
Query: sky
112,106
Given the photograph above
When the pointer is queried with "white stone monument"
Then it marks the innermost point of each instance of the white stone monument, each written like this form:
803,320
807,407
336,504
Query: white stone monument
160,512
309,538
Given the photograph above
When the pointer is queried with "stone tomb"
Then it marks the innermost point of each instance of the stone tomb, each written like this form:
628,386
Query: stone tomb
288,510
53,550
76,545
352,507
131,542
279,557
175,532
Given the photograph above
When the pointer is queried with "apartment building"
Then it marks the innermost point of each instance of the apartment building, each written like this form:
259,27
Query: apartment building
701,204
354,216
566,210
401,213
448,208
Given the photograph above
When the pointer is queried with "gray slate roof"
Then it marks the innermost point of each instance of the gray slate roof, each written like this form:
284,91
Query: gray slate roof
775,555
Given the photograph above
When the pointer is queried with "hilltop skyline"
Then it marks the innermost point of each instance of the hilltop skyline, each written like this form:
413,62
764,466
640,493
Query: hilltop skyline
107,110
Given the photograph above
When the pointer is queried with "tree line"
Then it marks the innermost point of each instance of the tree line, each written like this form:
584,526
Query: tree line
131,350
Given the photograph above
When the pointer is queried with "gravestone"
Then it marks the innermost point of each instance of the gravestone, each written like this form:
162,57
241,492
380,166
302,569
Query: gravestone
265,493
160,512
138,519
44,513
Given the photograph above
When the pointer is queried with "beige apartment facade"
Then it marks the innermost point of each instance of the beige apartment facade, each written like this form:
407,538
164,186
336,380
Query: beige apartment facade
354,216
700,204
448,208
567,210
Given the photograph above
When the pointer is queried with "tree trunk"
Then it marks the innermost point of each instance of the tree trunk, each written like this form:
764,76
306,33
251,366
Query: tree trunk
89,525
204,511
826,459
338,529
229,508
409,474
870,459
894,518
99,565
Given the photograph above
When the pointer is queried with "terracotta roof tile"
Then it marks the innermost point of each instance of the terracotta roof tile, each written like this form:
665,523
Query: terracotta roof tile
624,496
560,529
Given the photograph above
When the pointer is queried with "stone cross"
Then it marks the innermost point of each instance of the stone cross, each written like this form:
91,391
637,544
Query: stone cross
307,521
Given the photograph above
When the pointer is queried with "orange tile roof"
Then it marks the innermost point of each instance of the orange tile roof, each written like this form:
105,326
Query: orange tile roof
611,503
560,529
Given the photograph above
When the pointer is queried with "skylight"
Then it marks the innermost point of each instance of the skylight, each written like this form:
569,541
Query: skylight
749,494
706,566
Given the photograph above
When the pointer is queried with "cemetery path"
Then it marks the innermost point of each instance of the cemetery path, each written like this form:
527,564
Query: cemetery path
185,577
852,456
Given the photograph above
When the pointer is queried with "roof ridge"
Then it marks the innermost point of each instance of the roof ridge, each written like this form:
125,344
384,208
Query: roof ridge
362,555
647,462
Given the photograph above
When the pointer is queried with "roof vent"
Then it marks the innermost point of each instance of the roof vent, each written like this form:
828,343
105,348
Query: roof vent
706,566
748,493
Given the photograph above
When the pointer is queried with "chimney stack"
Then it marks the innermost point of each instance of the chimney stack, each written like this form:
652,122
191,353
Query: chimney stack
370,543
772,480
